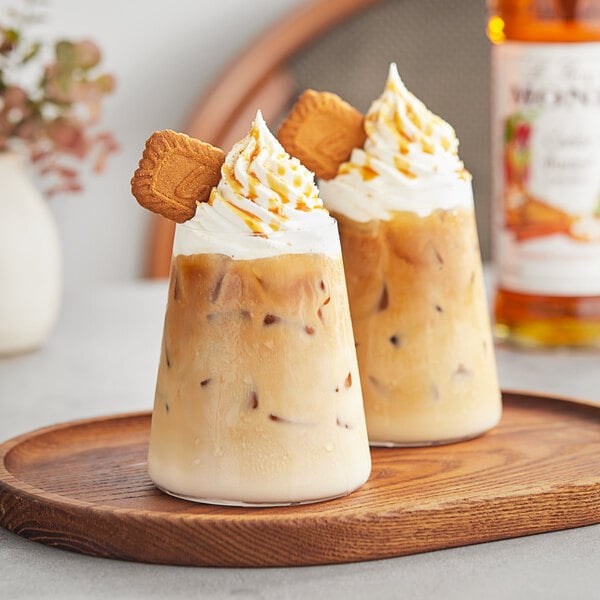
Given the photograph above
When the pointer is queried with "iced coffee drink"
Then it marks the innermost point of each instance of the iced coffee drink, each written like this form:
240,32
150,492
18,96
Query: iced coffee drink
413,270
258,397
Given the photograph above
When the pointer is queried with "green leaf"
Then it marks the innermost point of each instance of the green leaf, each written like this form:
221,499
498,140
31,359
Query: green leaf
65,56
32,52
12,35
9,39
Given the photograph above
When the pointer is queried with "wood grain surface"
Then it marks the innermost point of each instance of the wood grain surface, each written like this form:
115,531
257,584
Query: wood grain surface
83,486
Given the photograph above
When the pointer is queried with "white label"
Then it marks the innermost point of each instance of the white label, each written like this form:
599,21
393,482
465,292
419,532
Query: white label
546,153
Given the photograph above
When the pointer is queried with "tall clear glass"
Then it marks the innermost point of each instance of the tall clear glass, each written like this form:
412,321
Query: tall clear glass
258,397
421,326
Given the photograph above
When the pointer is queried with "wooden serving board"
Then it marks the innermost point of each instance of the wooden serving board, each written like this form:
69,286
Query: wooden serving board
83,486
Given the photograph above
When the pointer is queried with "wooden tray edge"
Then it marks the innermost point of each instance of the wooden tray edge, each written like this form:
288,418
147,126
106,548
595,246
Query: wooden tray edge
587,513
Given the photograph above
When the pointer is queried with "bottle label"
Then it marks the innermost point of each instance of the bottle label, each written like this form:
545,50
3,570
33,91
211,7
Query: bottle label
546,157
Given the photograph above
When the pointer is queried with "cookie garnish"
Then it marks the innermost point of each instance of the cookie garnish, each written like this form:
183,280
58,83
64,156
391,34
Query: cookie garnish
321,131
175,172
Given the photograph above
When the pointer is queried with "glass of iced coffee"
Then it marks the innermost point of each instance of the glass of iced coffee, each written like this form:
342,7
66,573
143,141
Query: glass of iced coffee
258,397
404,204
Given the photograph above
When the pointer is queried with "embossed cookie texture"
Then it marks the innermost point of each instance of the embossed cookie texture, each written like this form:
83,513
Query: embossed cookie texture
175,172
321,131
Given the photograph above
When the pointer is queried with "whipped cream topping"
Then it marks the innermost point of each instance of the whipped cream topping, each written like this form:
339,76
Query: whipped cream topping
409,162
266,203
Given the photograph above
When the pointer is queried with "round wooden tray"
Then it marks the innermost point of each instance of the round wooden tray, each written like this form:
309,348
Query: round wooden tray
83,486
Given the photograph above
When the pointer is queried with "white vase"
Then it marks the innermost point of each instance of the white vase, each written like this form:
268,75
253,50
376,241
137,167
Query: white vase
30,260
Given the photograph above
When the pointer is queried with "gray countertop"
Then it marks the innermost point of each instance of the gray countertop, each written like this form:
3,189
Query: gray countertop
102,359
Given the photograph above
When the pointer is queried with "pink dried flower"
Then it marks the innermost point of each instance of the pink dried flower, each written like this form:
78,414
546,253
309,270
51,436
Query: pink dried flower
68,136
14,96
86,54
57,117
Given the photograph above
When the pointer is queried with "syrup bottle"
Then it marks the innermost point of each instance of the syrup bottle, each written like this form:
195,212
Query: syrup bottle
546,170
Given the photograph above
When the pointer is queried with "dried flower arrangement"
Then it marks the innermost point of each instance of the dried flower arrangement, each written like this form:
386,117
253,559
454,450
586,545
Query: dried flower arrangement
53,118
